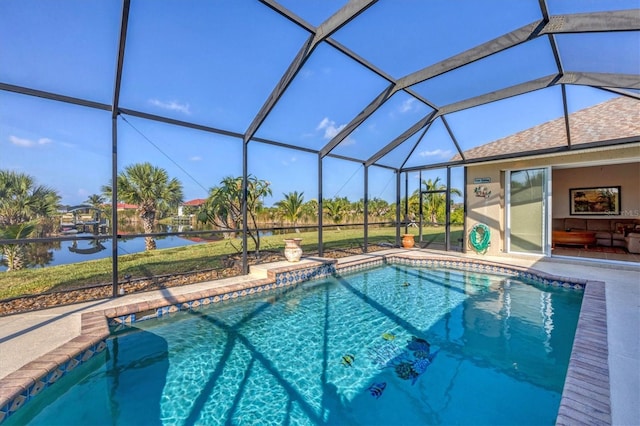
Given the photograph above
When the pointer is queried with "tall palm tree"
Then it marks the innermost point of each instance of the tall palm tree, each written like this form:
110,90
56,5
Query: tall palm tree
291,206
23,206
223,207
149,188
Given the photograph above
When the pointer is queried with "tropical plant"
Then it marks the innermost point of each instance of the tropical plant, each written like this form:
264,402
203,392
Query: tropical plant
23,207
149,188
336,209
433,197
378,208
310,211
14,255
21,200
357,208
223,207
457,215
95,200
291,206
414,204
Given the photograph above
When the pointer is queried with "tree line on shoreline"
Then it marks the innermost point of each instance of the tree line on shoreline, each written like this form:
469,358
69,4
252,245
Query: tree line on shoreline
28,208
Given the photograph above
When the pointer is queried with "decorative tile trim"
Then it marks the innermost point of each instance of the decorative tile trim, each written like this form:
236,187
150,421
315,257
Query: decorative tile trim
278,278
359,265
464,264
25,384
492,268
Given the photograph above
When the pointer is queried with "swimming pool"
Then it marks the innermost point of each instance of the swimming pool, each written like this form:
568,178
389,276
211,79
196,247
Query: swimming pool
390,345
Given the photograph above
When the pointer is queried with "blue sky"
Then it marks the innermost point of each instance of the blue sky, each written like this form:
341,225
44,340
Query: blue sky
215,64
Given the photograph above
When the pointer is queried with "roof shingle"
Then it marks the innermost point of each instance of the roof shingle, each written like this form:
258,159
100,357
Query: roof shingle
614,119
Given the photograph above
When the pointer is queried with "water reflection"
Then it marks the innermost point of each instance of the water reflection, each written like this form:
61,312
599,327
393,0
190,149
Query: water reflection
67,252
53,253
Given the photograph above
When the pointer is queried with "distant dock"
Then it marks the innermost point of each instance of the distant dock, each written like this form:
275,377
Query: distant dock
182,220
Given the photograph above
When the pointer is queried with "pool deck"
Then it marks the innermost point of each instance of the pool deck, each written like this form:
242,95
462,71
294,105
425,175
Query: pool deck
31,337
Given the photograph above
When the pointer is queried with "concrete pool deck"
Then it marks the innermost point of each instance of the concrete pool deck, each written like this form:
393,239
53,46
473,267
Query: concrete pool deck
25,338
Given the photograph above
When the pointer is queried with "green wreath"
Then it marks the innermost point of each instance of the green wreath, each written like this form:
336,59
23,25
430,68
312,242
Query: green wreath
480,238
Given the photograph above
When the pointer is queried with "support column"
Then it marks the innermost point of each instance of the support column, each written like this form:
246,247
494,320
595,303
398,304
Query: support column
366,209
320,244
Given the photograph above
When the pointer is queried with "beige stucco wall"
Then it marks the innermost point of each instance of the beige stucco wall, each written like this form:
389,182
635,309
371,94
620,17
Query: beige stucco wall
587,168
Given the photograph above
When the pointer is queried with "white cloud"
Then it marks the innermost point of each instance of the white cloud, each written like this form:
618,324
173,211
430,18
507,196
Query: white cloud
171,105
288,161
28,143
330,128
20,142
436,153
348,141
408,105
195,158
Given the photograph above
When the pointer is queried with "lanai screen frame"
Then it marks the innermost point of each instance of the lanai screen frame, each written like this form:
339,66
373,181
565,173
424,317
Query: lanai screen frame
548,26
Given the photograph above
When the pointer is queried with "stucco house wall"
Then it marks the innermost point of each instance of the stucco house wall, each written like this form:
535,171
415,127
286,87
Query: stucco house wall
611,166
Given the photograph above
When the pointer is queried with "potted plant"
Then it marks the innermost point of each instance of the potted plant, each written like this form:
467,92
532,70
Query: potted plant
293,249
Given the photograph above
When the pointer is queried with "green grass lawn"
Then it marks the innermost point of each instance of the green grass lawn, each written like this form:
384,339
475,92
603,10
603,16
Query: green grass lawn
187,259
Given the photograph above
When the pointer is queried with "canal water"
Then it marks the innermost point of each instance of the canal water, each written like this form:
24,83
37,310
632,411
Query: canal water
66,252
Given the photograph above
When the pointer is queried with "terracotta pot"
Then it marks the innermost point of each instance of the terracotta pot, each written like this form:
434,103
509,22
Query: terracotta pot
292,249
408,241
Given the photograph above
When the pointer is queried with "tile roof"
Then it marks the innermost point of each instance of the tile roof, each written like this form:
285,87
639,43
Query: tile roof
195,202
125,206
614,119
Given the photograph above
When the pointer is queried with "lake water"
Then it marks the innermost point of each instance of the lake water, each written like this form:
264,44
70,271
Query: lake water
66,252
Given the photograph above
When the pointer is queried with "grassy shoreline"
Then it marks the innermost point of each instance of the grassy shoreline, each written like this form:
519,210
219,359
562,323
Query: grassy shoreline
182,259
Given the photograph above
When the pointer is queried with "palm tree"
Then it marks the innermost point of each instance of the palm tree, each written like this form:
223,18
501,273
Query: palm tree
15,254
149,188
337,208
95,200
291,206
223,207
378,208
23,206
21,200
433,200
310,211
357,207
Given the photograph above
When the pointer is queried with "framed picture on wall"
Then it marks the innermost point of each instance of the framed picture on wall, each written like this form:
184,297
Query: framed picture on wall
595,201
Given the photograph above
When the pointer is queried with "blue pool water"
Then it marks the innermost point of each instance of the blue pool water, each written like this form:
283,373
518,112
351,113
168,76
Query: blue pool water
390,345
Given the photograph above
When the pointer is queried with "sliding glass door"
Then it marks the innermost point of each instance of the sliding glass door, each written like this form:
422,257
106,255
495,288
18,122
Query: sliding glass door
527,211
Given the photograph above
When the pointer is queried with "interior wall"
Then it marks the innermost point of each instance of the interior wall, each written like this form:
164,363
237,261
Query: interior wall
626,176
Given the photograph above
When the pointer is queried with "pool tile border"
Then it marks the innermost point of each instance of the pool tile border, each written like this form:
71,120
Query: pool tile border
277,278
585,397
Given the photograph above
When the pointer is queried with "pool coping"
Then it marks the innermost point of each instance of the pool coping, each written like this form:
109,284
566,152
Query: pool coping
586,393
